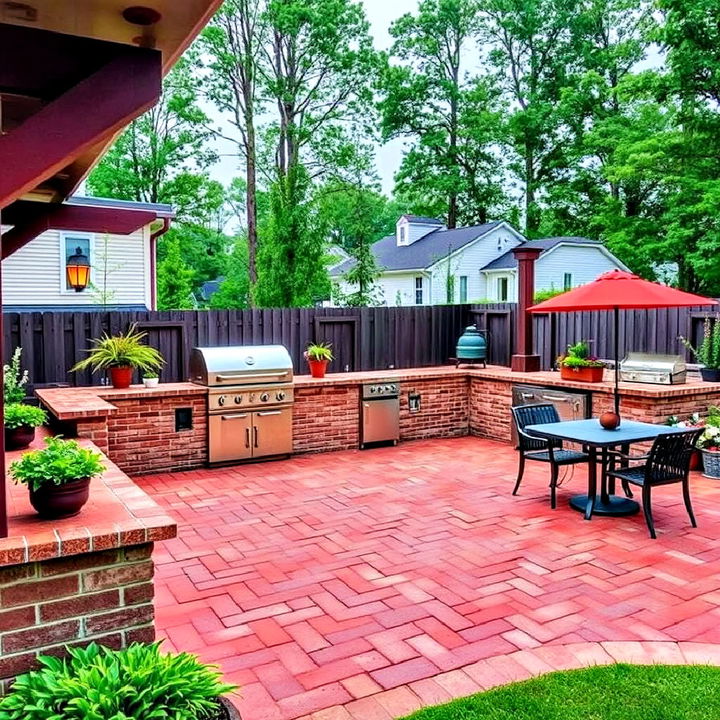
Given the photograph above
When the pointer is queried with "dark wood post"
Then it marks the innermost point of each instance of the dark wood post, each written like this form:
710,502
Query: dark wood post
524,360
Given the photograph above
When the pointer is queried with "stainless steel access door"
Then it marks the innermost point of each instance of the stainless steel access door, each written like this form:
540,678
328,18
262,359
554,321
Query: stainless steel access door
230,436
272,432
380,420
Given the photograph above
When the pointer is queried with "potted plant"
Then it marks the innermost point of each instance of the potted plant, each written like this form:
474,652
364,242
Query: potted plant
136,682
58,476
14,379
318,355
708,352
20,423
709,443
150,379
694,421
119,355
578,364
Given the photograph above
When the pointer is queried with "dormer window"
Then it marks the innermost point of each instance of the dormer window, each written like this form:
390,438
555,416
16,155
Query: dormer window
403,234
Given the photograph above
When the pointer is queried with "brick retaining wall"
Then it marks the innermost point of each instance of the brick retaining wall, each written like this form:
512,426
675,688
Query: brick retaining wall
103,596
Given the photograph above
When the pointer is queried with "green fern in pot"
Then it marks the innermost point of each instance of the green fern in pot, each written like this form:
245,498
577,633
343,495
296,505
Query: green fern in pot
120,354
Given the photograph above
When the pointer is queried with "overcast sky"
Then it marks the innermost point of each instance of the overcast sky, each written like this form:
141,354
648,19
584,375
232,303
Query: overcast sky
380,13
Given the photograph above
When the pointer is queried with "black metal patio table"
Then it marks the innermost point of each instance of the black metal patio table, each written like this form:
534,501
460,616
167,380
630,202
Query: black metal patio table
595,438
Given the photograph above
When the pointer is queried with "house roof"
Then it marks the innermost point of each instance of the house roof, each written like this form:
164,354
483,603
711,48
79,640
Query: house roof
422,220
423,252
507,261
160,209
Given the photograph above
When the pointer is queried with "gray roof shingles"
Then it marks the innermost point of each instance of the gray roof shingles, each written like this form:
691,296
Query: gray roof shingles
508,261
423,252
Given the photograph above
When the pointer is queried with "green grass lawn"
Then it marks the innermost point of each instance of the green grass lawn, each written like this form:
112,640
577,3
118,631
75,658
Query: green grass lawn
615,692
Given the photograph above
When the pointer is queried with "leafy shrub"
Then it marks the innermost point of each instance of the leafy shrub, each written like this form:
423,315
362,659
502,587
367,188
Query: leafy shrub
543,295
708,352
319,351
19,415
61,462
96,683
14,379
126,349
578,356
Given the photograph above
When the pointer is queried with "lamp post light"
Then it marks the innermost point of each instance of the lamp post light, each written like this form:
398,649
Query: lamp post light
78,270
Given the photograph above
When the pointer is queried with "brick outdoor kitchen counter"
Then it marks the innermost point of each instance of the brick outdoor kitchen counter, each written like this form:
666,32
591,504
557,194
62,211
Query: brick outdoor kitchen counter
138,429
83,578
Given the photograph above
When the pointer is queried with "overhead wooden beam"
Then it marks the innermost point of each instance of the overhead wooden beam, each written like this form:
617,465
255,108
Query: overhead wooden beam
32,219
81,117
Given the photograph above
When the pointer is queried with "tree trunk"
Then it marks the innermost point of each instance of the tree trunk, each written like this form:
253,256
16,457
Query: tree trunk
531,219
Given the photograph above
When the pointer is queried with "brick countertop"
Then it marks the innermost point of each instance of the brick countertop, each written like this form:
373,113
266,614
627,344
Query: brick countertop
498,373
117,514
72,403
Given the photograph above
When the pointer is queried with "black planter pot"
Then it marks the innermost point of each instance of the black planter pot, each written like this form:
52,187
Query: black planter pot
231,712
19,437
60,501
710,374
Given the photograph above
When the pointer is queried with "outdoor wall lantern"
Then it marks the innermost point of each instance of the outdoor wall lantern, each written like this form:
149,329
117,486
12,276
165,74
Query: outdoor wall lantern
78,270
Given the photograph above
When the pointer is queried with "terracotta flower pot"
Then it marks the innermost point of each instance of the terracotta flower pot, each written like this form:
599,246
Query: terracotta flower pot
582,374
60,501
317,367
121,377
19,437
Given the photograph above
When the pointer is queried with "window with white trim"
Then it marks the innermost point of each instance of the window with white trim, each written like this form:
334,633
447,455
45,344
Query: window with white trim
418,291
463,288
567,281
502,289
69,245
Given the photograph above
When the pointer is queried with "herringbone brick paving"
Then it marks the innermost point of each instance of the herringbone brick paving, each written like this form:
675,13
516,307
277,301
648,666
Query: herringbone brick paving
328,580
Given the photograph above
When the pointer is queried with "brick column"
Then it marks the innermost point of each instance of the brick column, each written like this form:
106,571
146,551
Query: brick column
524,360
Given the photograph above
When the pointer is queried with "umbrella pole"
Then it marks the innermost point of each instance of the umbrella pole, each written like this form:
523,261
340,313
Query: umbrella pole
617,360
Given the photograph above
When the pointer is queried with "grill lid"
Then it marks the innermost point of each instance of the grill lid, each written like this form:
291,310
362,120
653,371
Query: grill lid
649,362
240,365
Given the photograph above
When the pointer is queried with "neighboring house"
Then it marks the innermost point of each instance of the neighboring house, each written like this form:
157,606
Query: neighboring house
123,267
207,290
424,263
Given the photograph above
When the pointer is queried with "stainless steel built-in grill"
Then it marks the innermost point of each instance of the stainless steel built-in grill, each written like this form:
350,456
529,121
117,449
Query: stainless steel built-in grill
657,369
380,413
250,400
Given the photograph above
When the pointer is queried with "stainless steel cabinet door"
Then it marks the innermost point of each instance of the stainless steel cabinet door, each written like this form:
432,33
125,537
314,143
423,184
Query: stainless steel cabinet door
272,432
380,420
230,437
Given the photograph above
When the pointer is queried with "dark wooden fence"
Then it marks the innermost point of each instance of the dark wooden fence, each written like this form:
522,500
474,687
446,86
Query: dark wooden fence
362,338
653,331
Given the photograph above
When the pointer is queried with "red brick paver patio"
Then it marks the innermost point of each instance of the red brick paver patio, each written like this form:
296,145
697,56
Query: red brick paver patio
332,579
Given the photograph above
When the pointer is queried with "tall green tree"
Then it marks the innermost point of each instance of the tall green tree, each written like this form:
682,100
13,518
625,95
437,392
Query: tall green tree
175,280
232,47
533,54
234,290
321,66
454,120
163,156
356,215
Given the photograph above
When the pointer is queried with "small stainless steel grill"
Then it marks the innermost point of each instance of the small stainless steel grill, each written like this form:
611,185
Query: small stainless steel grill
655,369
250,400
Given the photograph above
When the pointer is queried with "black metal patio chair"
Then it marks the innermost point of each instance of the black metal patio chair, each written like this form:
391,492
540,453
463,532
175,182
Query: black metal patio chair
667,462
541,449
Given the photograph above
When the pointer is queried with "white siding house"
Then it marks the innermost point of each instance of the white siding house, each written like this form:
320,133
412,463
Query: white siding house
121,275
426,264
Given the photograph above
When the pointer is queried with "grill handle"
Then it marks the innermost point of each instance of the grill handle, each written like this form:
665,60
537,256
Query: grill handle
251,376
247,437
233,417
557,398
270,412
255,433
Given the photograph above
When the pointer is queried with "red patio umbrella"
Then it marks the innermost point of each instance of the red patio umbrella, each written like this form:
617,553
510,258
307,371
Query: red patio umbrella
616,290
